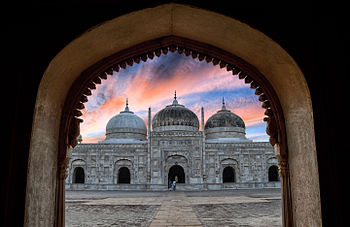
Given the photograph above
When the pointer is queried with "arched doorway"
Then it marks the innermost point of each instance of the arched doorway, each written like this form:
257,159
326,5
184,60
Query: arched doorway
273,173
79,175
54,128
228,175
123,175
177,170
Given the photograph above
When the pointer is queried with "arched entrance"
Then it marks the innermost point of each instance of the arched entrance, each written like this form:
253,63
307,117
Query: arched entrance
228,175
177,170
55,123
123,175
79,175
273,173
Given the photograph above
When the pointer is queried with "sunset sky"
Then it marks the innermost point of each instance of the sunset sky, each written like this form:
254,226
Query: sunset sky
152,84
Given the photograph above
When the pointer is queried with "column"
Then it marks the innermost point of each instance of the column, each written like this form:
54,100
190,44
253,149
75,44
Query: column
149,147
204,172
287,210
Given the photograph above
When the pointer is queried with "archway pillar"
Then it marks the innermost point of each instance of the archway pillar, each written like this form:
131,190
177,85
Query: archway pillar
287,206
60,203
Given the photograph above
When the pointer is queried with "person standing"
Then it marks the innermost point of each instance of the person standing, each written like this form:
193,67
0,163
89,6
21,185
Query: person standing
174,185
169,185
176,179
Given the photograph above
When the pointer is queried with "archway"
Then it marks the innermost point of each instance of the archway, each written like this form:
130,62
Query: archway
273,173
228,175
177,170
270,68
79,175
123,175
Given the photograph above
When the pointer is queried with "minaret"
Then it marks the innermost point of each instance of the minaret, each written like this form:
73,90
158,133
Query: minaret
149,147
203,148
202,118
149,122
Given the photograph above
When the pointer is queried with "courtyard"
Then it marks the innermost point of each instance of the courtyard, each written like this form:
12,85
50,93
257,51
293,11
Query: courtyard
243,207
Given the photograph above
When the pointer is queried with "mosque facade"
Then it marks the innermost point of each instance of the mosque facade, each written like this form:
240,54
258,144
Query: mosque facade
134,157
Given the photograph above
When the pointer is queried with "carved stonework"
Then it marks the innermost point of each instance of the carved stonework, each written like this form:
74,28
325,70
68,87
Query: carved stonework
283,168
62,168
271,130
74,131
64,164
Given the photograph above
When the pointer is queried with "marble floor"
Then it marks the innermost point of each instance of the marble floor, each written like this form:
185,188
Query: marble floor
258,207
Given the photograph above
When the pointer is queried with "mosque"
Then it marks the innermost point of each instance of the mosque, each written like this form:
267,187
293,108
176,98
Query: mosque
134,157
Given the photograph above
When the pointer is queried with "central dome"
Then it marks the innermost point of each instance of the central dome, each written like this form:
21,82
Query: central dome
175,117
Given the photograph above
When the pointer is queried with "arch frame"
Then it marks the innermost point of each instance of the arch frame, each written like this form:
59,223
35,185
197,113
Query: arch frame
234,164
120,163
170,162
48,146
74,164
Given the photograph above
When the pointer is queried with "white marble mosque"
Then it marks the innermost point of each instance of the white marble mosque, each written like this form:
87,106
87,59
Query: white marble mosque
134,157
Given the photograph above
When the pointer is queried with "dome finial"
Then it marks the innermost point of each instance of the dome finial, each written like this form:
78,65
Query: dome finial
223,104
126,105
175,101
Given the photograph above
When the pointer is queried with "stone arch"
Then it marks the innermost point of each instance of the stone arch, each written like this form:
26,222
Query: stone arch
123,175
123,163
177,171
272,162
78,175
230,163
228,175
273,173
175,159
54,129
73,165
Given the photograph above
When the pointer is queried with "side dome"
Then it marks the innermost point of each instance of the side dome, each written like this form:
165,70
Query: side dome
175,117
125,127
225,125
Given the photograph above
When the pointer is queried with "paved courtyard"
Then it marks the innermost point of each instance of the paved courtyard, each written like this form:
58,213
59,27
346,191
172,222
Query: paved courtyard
196,208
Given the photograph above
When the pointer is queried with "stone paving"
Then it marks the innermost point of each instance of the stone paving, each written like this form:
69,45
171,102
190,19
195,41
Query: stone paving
205,208
176,210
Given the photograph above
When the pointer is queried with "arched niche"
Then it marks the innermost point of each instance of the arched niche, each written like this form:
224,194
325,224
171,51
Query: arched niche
228,175
296,150
123,175
78,175
273,173
177,172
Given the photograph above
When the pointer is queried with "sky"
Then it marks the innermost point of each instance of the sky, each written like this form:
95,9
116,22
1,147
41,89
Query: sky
152,84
